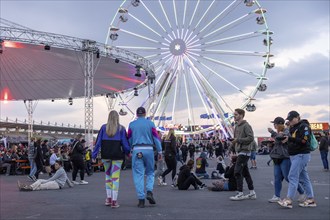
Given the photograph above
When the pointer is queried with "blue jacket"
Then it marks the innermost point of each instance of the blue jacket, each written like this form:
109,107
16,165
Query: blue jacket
119,136
143,132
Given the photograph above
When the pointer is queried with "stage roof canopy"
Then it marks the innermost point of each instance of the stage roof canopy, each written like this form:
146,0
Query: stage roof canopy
38,65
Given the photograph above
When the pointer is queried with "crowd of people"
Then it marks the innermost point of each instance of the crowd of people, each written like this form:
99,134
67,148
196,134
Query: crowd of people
154,156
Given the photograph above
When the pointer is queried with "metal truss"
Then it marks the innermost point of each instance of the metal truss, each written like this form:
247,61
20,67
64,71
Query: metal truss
88,50
30,107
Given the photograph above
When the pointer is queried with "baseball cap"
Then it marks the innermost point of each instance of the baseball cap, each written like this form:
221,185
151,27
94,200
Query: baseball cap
278,121
291,115
140,111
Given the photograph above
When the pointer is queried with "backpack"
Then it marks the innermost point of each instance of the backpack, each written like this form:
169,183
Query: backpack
313,142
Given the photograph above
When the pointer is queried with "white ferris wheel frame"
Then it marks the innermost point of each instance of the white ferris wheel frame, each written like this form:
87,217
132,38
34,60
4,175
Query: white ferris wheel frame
172,68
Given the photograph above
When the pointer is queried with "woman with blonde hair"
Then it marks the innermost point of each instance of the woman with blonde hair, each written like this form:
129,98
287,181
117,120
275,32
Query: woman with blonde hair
169,144
112,141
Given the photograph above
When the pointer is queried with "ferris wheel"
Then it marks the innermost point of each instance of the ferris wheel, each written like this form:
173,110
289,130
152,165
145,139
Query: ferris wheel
210,57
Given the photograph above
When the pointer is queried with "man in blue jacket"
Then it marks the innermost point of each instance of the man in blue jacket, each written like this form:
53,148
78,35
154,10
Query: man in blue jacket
143,136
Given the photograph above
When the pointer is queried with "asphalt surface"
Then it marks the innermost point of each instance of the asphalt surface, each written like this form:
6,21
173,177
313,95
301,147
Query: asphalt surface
87,201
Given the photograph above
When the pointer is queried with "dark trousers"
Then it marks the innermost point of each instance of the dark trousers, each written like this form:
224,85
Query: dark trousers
191,180
241,170
324,157
171,166
78,165
40,167
184,157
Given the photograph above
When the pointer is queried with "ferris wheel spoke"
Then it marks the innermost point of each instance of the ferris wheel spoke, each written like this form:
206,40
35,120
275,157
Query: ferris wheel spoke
153,16
216,17
230,66
207,85
232,38
230,52
193,15
155,55
188,38
166,16
173,63
142,48
175,97
184,16
146,26
217,74
228,25
189,41
199,89
187,96
143,37
164,93
207,10
175,15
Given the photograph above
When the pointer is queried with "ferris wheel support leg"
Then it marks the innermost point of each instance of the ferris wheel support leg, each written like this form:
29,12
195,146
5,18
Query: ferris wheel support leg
89,50
30,106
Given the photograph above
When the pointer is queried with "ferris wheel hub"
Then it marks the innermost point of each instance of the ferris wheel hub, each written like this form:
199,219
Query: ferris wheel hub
178,47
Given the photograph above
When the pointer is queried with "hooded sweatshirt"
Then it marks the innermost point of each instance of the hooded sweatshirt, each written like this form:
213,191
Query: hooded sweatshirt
299,139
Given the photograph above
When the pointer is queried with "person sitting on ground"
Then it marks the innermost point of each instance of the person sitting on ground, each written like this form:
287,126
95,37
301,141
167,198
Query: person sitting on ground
219,173
57,181
186,177
228,184
201,164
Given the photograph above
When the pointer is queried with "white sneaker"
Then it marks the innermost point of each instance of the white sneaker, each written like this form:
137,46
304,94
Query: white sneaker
275,199
238,197
75,182
83,182
251,196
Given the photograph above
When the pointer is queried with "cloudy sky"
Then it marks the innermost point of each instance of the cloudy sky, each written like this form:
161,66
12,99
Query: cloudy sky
299,81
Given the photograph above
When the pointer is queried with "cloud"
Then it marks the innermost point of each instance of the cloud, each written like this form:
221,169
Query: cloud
318,45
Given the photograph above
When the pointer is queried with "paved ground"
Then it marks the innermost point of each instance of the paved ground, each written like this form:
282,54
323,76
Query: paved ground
87,201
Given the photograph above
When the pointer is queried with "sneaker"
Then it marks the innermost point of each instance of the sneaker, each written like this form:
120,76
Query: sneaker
308,203
150,198
302,198
286,203
275,199
163,184
83,182
75,182
108,201
172,185
251,196
238,197
114,204
203,186
30,178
